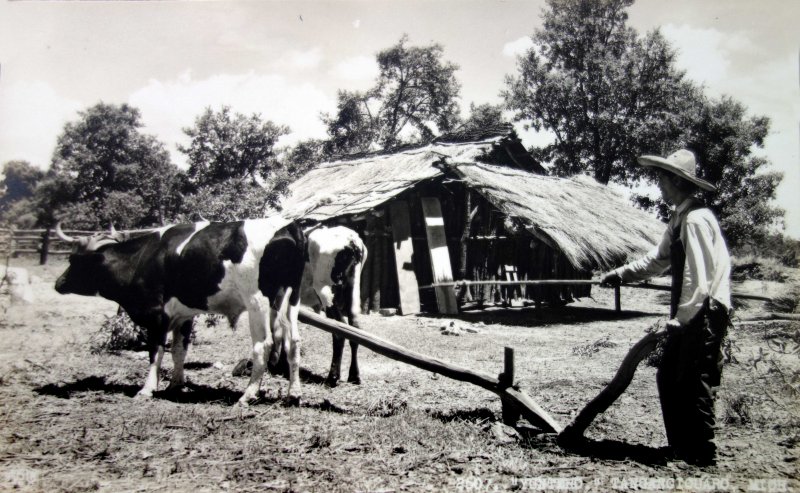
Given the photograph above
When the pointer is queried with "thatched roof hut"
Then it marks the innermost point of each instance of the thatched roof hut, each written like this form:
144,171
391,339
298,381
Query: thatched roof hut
495,202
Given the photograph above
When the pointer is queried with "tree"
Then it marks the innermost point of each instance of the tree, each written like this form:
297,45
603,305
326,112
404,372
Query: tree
484,116
19,181
303,156
229,200
16,192
225,146
605,94
354,129
723,138
104,156
609,96
414,99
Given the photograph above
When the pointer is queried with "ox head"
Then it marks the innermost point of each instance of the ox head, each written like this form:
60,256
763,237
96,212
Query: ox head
86,262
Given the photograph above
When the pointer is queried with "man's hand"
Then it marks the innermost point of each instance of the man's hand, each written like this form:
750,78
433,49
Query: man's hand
610,280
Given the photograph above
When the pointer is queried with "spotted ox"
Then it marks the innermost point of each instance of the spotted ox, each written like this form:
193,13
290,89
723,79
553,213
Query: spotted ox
165,278
331,282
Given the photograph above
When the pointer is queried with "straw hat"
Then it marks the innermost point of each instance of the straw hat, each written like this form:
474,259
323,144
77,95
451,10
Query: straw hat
681,163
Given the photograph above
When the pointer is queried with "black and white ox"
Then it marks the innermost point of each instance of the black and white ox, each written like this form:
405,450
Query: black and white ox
163,279
331,282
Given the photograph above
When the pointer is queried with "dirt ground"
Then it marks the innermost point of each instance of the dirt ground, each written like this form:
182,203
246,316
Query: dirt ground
68,421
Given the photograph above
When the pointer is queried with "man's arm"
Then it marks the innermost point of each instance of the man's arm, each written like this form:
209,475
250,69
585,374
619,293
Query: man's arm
652,264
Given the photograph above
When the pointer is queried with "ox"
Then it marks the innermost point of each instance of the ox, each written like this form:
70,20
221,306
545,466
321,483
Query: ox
165,278
331,281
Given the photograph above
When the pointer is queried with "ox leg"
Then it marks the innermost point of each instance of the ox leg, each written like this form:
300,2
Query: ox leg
181,337
336,361
354,376
258,313
293,311
334,374
156,341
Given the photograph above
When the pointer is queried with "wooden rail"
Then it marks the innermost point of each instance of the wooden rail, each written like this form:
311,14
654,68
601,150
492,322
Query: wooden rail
45,242
510,396
581,282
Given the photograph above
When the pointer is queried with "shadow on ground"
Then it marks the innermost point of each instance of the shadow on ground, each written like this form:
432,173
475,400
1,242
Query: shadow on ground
609,450
88,384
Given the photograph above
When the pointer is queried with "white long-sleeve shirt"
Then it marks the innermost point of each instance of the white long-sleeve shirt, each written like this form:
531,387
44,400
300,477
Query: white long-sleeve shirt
707,271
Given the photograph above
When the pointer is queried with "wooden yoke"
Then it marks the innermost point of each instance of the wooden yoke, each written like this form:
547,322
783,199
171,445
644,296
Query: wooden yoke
524,405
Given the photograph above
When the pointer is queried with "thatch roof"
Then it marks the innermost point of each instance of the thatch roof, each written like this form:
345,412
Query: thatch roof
590,223
594,226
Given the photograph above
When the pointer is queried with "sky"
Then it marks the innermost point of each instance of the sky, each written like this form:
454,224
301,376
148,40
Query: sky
285,60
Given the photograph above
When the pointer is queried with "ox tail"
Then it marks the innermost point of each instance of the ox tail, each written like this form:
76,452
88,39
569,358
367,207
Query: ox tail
355,308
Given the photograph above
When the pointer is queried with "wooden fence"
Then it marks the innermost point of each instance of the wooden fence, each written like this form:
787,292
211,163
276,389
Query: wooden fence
44,242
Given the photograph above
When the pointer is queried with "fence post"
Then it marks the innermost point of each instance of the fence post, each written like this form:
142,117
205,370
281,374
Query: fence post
45,246
617,299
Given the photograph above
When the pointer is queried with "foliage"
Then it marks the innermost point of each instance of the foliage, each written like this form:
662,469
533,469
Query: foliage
609,96
602,91
771,366
354,128
414,98
19,181
757,267
228,146
587,350
723,137
16,193
103,161
118,333
229,200
304,156
484,116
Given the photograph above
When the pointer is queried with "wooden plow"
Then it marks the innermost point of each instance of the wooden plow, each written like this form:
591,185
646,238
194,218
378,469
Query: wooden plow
515,402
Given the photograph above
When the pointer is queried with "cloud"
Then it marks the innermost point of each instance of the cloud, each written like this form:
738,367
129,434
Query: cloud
357,23
731,64
169,106
706,54
360,69
517,47
300,60
32,115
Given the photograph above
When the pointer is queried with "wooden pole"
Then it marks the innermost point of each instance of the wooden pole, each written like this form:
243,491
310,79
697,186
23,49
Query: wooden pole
614,389
510,413
617,299
45,247
538,282
528,408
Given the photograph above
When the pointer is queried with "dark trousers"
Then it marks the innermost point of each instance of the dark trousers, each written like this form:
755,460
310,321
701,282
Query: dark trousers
688,378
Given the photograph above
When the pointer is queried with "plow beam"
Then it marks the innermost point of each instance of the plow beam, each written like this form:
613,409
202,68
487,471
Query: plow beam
526,406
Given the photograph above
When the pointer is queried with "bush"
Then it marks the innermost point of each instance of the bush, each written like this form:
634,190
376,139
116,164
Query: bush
752,267
119,333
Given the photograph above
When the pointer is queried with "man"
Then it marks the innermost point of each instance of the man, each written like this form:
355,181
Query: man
694,250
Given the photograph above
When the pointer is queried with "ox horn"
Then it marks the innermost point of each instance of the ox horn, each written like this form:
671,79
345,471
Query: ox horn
62,236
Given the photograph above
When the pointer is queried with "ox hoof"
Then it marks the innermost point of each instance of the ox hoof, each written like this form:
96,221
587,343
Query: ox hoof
292,401
355,380
143,395
331,381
